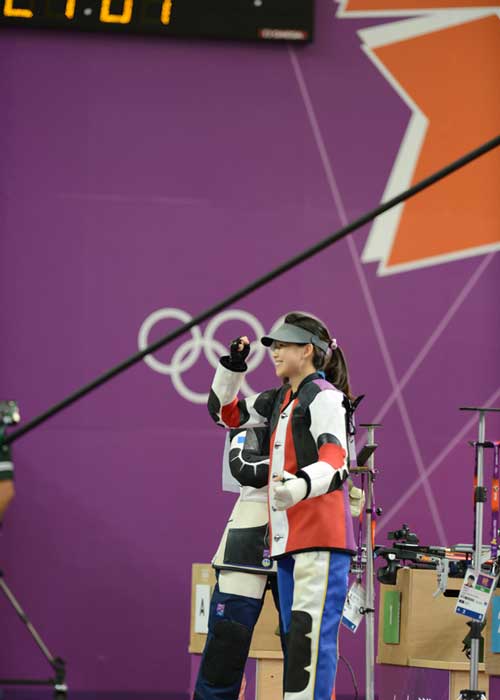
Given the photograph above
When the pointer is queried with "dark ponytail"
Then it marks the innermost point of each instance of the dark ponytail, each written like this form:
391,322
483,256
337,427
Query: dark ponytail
337,373
333,362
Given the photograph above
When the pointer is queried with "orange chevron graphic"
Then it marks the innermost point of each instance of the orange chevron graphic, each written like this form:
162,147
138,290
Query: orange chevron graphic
454,77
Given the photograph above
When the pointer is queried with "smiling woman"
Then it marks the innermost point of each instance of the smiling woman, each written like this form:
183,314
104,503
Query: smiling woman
310,528
326,355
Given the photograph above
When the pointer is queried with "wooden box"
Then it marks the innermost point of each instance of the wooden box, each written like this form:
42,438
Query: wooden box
429,628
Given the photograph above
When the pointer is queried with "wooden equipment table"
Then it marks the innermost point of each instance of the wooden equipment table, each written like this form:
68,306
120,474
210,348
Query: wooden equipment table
430,633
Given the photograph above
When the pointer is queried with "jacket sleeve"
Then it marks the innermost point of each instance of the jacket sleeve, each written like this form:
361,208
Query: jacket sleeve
249,457
229,411
328,430
6,465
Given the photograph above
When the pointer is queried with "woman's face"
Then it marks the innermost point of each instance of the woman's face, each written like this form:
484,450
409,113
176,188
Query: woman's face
291,360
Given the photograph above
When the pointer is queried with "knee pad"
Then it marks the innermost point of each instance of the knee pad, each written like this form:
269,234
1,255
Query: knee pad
226,653
298,652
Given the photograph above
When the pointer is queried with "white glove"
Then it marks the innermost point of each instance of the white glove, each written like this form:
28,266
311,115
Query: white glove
356,500
289,493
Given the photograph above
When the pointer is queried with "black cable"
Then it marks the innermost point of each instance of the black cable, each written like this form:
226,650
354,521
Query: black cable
260,282
353,677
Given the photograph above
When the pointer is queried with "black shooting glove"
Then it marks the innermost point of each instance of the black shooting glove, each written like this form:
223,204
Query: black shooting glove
235,361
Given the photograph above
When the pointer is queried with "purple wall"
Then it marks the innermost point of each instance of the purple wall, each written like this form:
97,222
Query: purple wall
139,174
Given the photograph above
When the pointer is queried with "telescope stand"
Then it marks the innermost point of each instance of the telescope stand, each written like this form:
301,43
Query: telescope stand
479,498
369,608
58,665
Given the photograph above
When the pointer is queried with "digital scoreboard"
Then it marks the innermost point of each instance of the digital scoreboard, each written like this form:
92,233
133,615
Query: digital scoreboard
261,20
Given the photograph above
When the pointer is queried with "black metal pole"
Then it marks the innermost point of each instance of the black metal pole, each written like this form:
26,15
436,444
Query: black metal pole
260,282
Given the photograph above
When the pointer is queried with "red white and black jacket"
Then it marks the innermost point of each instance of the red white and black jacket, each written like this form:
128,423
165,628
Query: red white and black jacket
245,542
308,439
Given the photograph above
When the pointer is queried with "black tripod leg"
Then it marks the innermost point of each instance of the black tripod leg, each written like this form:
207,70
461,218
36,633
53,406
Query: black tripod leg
60,687
58,664
475,634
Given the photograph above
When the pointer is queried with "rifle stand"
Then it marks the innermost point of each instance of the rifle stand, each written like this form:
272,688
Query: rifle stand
479,497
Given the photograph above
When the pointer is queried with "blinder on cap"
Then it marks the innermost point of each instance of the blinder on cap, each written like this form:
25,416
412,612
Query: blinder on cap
288,333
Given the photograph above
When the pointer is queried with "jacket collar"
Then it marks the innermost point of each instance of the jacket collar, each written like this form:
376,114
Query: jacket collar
310,378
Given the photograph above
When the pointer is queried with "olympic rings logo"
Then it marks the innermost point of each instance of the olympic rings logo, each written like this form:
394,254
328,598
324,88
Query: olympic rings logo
189,352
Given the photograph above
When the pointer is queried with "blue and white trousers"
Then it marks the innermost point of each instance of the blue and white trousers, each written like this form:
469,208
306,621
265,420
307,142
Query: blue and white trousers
312,591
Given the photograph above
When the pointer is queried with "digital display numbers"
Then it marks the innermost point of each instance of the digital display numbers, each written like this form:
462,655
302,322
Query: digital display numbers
267,20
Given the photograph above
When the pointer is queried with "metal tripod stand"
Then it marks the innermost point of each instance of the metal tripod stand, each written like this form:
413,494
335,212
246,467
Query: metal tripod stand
473,693
369,607
58,665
